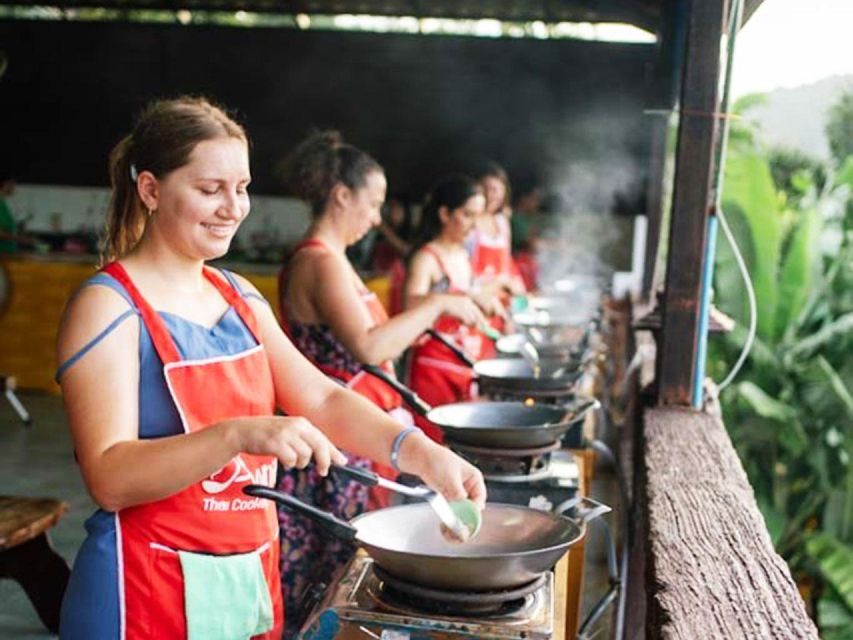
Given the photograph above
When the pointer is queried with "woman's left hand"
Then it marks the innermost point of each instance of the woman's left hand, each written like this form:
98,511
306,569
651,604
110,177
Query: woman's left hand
442,470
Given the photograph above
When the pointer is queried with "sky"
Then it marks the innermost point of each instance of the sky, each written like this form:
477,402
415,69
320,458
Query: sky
788,43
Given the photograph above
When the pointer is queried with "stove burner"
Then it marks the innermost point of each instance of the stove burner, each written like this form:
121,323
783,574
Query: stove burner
528,396
509,465
405,596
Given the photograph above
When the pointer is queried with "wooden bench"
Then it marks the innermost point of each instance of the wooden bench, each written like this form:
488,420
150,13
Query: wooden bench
27,556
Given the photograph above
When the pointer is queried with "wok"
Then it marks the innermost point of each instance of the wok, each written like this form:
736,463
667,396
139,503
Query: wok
515,544
505,425
517,373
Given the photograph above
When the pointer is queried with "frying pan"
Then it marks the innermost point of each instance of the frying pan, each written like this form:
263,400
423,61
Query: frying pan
504,425
516,373
515,544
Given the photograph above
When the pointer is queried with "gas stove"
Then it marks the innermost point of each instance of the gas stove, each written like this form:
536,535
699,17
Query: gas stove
364,604
544,489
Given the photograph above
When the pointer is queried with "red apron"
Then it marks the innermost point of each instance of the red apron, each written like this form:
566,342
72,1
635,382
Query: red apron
361,382
212,516
435,373
490,258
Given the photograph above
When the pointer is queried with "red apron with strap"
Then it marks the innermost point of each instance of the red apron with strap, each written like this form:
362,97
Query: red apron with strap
435,373
213,515
491,258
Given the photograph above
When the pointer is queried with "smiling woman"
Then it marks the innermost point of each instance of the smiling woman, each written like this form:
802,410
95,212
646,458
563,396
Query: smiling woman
172,373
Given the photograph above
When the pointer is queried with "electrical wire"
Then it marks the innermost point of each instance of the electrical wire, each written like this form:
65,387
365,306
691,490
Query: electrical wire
750,294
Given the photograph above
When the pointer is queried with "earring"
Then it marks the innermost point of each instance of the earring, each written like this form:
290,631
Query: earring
150,212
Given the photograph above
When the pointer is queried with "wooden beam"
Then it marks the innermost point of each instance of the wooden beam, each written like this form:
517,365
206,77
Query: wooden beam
697,134
712,569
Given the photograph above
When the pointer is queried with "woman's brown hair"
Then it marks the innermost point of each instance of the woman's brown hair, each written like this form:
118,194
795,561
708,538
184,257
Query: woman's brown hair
164,136
322,161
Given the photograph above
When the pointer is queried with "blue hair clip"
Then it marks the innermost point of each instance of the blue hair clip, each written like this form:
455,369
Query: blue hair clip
133,173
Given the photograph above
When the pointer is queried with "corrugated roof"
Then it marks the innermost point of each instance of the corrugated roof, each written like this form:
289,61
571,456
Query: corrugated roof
643,13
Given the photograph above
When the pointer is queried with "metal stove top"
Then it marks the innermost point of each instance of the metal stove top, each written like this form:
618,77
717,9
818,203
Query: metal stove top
352,608
559,482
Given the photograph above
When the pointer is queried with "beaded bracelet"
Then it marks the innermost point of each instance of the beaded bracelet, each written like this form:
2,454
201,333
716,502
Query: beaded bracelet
398,442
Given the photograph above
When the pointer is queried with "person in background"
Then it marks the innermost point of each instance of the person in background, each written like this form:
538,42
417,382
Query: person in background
392,247
171,374
526,228
10,239
394,241
490,241
441,264
339,324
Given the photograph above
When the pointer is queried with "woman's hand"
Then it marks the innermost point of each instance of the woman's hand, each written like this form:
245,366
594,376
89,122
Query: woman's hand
442,470
462,307
294,441
490,303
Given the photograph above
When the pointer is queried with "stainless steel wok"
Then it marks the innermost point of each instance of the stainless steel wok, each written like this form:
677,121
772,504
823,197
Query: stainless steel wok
514,547
496,424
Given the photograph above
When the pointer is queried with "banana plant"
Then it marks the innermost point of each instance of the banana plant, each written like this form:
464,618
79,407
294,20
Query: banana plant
790,412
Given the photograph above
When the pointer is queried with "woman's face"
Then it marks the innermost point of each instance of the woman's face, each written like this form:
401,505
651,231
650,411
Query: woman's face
458,223
495,191
200,206
365,206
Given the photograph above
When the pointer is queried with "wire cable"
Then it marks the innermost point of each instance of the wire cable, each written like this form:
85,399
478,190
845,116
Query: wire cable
750,294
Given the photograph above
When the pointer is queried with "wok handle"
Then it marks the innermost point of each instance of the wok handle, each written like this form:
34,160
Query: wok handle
362,476
412,399
450,345
579,411
338,527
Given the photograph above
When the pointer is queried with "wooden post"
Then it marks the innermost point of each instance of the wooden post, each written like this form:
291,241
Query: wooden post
691,204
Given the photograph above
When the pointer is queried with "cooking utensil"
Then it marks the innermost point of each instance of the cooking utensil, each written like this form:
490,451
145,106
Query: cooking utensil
496,424
456,528
514,547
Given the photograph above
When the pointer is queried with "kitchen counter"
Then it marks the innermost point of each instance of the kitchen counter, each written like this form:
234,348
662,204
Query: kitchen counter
34,289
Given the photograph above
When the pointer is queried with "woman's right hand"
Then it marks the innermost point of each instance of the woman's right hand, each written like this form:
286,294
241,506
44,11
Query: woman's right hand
293,440
464,308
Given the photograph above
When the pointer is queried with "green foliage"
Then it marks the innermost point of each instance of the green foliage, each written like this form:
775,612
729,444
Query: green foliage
839,127
790,413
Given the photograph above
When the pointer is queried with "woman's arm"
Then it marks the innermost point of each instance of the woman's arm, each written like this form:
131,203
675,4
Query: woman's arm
101,396
352,422
422,273
339,305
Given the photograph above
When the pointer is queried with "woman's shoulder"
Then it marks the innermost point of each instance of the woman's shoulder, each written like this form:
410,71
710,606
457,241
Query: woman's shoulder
94,308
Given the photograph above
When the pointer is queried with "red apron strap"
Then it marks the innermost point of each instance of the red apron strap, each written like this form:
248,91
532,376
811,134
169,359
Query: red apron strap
452,286
160,336
233,298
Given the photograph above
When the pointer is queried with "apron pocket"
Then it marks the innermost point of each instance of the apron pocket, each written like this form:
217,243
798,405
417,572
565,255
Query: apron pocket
225,597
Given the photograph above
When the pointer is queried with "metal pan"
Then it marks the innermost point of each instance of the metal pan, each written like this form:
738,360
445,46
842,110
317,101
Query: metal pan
505,425
517,373
515,544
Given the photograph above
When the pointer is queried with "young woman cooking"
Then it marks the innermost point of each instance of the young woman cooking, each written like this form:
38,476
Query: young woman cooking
490,245
171,375
339,324
442,265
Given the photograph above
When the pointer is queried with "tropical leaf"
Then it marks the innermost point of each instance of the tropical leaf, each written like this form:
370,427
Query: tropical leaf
799,270
834,559
749,188
840,328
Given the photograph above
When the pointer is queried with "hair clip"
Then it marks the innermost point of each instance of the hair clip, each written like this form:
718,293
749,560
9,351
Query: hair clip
133,173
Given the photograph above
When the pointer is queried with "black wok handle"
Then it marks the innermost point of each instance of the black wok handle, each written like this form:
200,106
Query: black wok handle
580,410
456,350
412,399
362,476
338,527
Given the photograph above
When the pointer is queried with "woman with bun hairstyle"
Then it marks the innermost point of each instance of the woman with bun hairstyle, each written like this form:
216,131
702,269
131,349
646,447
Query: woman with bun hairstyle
172,373
339,325
440,264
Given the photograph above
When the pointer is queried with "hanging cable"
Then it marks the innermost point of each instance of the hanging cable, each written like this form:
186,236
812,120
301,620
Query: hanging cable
750,294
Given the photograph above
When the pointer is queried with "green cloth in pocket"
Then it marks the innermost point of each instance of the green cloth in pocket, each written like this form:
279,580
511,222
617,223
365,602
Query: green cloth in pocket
225,597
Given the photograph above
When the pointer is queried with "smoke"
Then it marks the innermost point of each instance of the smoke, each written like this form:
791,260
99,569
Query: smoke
587,183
